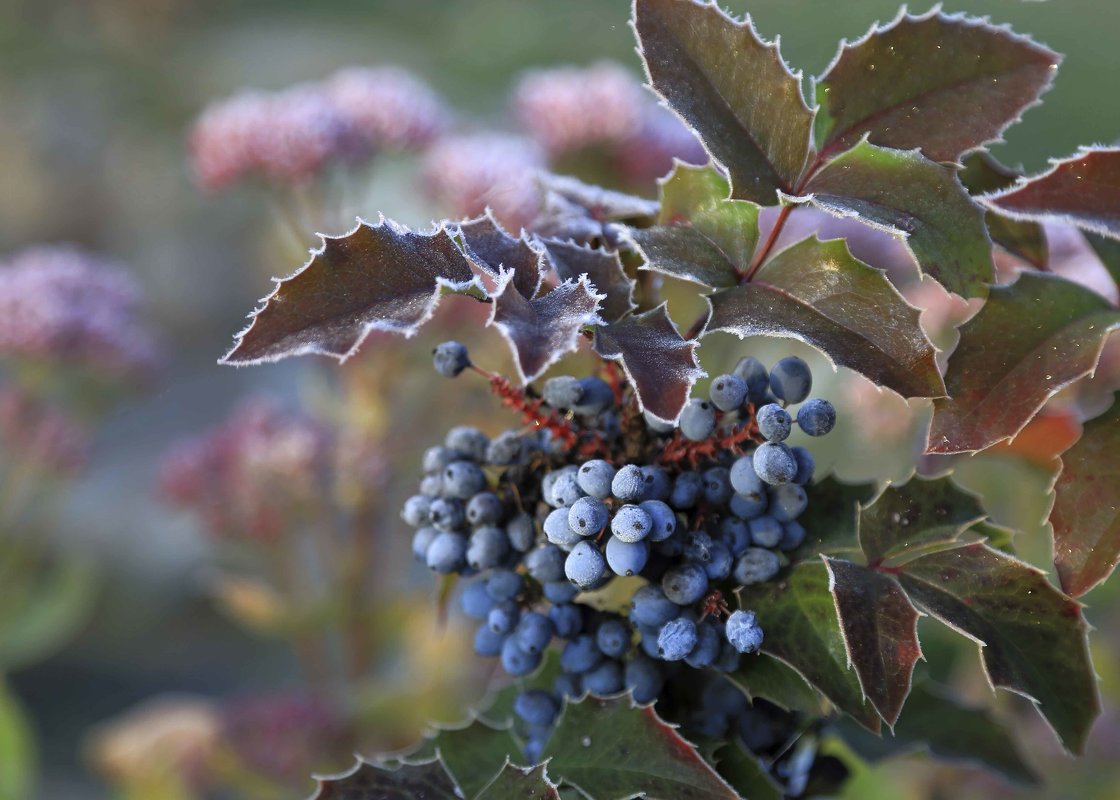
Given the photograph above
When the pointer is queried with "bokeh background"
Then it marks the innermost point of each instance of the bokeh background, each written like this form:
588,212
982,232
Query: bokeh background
96,98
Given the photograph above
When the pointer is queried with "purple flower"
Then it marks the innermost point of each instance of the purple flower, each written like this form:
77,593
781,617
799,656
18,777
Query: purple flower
387,107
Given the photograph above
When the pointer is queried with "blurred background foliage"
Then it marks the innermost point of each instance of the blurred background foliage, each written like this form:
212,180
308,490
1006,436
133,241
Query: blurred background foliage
96,100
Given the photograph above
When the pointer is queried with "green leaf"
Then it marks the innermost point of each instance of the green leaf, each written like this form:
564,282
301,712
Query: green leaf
819,293
611,749
702,236
915,199
880,629
1029,340
775,681
1027,240
659,363
995,536
602,267
830,521
942,83
1033,638
522,784
919,514
428,780
799,617
1108,251
473,754
17,748
742,769
377,277
730,86
58,602
935,720
1082,190
1086,513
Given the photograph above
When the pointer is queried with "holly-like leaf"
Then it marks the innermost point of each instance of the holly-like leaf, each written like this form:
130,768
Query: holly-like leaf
1029,340
492,250
830,521
765,677
742,769
701,236
522,784
920,514
611,749
943,83
799,618
730,86
659,363
428,780
586,214
602,267
473,754
1083,190
1033,639
995,536
542,331
1086,513
916,199
377,277
1027,240
1108,251
880,628
819,293
935,720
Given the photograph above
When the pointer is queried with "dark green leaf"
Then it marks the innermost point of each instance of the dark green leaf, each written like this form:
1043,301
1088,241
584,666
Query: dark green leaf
542,331
1027,240
472,754
611,749
799,619
745,773
775,681
492,250
732,88
520,784
995,536
602,267
1033,638
659,363
881,631
818,293
1108,251
830,521
935,720
919,514
916,199
1086,513
427,781
945,84
377,277
1083,190
1029,340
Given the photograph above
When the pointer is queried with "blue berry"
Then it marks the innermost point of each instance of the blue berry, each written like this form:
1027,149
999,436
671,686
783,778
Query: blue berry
506,449
698,420
562,391
487,547
765,531
504,584
431,485
475,600
708,642
774,463
755,375
631,524
657,482
447,515
447,553
597,397
534,747
545,563
537,707
534,632
568,684
503,617
450,358
650,607
585,565
745,507
805,466
421,541
588,516
644,679
791,380
565,489
595,478
567,619
720,561
698,547
415,510
468,441
663,522
735,534
559,532
522,532
756,566
793,534
487,643
727,392
717,485
516,661
438,457
613,637
774,422
684,584
816,417
629,484
485,508
560,591
743,632
580,654
604,679
787,502
626,558
744,480
676,639
687,489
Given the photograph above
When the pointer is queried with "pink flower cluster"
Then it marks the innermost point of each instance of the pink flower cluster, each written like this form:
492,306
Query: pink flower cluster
61,305
37,436
248,476
290,135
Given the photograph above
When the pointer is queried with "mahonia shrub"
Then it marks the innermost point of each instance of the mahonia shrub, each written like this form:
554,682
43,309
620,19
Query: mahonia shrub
684,608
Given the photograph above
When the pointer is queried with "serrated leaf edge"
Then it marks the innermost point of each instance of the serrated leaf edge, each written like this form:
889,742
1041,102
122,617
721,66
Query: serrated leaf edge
533,242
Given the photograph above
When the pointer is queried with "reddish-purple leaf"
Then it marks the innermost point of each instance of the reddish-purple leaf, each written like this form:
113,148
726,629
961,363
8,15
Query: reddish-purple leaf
1029,340
1027,240
733,88
1033,638
602,267
407,782
943,83
377,277
1086,513
1083,190
818,293
492,249
880,630
586,214
921,514
659,363
542,331
920,201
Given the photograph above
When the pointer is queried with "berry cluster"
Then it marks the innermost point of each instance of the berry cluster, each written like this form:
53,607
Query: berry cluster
593,492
